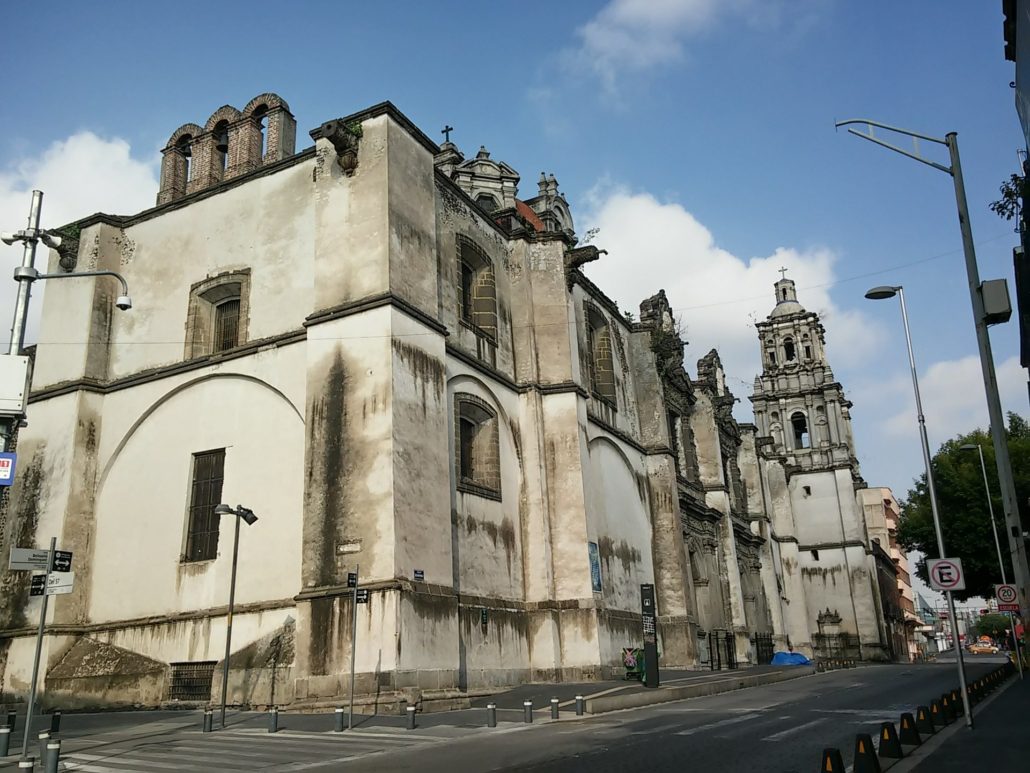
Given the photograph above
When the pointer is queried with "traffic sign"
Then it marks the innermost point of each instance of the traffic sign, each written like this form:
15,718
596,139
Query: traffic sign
945,574
1008,599
361,595
420,575
352,579
56,584
7,464
23,559
62,561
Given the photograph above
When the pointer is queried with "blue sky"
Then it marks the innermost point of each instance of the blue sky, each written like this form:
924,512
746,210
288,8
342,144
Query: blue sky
698,135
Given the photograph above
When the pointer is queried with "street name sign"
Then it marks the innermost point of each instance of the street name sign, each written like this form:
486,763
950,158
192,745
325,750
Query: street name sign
1008,599
56,584
23,559
945,574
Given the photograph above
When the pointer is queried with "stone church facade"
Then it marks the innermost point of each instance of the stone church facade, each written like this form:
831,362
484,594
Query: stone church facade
400,366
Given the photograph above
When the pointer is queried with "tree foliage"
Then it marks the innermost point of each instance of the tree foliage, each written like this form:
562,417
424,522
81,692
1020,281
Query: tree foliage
993,625
1013,192
962,501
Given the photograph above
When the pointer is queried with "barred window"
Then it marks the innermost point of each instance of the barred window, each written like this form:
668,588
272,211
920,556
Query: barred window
227,324
216,320
205,493
478,291
478,463
602,361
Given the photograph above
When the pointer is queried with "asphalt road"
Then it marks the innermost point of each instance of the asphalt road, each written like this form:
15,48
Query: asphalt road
780,728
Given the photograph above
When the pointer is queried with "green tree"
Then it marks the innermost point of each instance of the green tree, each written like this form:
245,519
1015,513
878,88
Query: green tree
963,507
995,626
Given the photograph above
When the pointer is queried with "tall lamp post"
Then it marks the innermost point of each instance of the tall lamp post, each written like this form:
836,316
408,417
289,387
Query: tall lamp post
242,514
878,294
1010,505
997,544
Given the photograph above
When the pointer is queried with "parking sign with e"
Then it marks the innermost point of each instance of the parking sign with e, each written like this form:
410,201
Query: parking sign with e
945,574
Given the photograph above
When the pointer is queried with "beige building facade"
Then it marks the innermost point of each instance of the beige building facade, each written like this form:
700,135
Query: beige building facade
401,368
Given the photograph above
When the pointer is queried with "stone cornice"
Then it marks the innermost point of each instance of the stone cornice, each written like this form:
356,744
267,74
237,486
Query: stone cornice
389,109
166,371
375,302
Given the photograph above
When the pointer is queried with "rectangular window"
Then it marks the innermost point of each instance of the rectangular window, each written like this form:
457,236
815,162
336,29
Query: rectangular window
206,492
227,325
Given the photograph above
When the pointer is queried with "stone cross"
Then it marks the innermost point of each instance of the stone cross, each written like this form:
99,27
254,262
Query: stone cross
447,132
783,273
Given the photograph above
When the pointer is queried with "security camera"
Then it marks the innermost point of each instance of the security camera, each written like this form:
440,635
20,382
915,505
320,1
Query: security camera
53,241
123,302
8,238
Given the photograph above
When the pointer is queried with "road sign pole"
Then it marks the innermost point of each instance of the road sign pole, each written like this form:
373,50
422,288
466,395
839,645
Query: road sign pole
353,644
39,650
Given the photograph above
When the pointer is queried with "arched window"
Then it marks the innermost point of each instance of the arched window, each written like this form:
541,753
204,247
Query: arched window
185,148
487,202
788,349
478,462
807,345
478,290
216,320
602,360
695,567
800,426
221,133
261,119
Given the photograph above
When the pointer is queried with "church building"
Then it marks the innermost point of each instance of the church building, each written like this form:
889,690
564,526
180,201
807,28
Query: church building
400,367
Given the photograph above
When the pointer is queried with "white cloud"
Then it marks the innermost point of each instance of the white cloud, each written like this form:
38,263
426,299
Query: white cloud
654,245
953,398
79,175
636,35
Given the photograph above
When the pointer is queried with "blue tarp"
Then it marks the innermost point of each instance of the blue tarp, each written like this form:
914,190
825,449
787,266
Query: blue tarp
790,659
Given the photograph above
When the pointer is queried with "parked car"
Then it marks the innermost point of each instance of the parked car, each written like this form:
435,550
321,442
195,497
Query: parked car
982,648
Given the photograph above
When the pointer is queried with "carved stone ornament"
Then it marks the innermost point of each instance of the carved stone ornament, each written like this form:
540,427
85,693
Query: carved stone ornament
345,140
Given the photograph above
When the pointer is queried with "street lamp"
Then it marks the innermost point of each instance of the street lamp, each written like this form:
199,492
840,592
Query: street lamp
994,530
878,294
25,275
1017,548
242,514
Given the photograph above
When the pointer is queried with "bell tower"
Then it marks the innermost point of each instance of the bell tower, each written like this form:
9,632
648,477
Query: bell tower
797,401
804,416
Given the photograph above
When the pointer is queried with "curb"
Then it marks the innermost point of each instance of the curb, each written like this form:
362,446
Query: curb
605,703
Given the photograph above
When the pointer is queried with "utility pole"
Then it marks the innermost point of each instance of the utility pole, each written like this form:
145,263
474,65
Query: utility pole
1017,546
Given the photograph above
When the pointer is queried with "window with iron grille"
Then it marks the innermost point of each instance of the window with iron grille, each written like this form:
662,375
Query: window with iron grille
205,493
227,324
191,681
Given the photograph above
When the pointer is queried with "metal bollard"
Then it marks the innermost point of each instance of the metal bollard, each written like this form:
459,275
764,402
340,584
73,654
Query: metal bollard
580,705
338,724
554,708
43,738
491,715
28,764
208,719
5,741
411,717
53,756
12,718
55,722
273,720
527,711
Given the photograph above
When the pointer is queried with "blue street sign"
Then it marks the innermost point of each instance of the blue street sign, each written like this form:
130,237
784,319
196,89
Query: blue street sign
7,462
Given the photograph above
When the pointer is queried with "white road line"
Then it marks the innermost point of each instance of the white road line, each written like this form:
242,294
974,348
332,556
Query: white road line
722,723
796,729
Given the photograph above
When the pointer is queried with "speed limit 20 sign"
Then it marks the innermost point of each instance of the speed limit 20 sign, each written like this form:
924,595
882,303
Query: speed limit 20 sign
1008,599
945,574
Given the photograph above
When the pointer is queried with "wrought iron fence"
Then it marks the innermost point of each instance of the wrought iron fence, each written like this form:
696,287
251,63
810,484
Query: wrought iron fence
722,650
191,681
763,648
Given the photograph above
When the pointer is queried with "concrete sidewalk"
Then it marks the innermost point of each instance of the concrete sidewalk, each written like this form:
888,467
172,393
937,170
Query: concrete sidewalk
998,742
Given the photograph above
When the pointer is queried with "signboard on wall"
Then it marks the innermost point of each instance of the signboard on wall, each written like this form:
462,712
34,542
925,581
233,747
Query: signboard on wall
7,464
595,566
